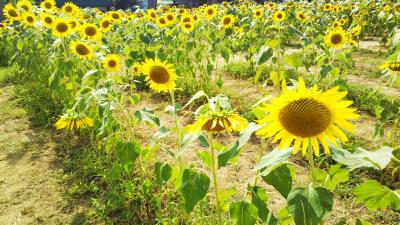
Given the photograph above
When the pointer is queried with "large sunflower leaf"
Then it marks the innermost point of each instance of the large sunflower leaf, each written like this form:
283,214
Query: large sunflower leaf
194,187
244,213
273,160
378,159
281,179
376,196
309,206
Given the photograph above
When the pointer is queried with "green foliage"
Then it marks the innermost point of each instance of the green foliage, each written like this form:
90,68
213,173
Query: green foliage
281,179
240,70
244,213
309,206
194,187
376,196
335,176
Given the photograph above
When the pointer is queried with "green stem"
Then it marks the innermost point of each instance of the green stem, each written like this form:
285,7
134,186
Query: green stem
214,173
311,161
260,152
177,129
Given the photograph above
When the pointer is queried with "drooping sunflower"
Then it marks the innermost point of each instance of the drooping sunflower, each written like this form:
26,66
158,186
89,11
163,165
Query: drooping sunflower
218,122
11,13
69,8
105,25
210,12
188,27
227,21
279,16
81,49
28,19
301,16
258,13
112,63
48,5
47,20
307,117
336,38
392,66
90,31
24,5
61,28
73,122
159,75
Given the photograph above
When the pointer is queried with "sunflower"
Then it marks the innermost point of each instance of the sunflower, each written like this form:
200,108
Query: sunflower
72,122
356,30
48,5
61,28
3,26
137,69
227,21
47,20
152,14
24,5
182,11
161,22
218,122
196,17
115,16
393,67
301,17
159,75
188,27
258,13
170,17
11,13
336,38
28,19
343,21
279,16
105,25
69,8
307,116
186,18
112,63
210,12
75,25
90,31
81,50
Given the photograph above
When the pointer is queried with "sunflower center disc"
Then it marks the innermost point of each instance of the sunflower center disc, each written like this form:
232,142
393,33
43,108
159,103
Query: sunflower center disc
82,49
29,19
305,117
170,17
210,12
159,75
47,5
115,16
227,21
112,63
25,7
68,9
12,13
336,39
62,27
48,20
105,24
90,31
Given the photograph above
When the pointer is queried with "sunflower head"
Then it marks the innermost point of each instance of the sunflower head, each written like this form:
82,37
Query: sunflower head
210,12
28,19
258,13
392,66
73,121
48,5
90,31
105,25
336,38
61,28
24,5
307,117
160,75
161,22
279,16
81,49
3,26
218,122
112,63
11,13
69,8
170,17
301,17
227,21
137,69
115,16
188,27
47,20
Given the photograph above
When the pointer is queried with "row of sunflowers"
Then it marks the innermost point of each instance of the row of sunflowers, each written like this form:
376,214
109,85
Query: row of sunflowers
96,66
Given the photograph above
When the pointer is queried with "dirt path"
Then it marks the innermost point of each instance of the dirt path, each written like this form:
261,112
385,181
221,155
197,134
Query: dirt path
30,171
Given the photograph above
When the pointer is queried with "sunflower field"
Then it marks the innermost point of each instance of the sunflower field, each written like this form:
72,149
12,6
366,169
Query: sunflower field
233,113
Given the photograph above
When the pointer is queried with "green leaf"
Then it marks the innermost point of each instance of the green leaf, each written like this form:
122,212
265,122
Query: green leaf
259,198
194,187
378,159
264,55
224,195
309,206
259,71
293,60
127,153
336,176
229,154
273,160
20,44
205,157
284,217
186,140
226,53
163,172
244,213
148,116
362,222
376,196
195,97
281,179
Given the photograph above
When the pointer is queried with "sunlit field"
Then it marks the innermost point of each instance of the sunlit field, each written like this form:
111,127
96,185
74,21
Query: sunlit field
232,113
